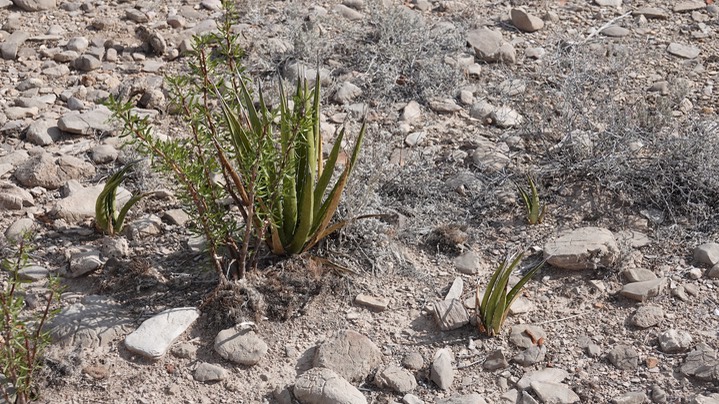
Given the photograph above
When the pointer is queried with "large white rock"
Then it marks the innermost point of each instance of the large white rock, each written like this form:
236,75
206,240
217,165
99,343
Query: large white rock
583,248
324,386
155,335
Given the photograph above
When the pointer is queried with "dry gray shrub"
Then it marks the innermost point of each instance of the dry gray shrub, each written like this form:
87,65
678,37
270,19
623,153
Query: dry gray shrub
595,127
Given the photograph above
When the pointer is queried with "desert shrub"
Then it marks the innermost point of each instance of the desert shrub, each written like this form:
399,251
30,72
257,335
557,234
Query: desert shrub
22,338
630,145
248,172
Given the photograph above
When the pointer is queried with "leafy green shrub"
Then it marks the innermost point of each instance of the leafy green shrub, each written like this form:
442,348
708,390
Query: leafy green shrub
22,339
535,209
107,219
493,306
241,153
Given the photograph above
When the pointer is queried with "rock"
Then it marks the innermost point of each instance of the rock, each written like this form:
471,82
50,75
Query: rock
89,123
455,291
526,335
84,262
243,347
414,138
114,247
33,273
373,303
348,13
552,375
707,254
489,46
96,322
324,386
615,31
647,316
473,398
489,158
641,291
411,113
691,5
530,356
346,93
87,63
702,363
396,379
683,51
495,360
658,395
481,110
15,232
651,13
136,16
633,397
468,263
80,204
148,225
12,44
413,360
609,3
702,399
450,314
583,248
35,5
444,106
441,370
43,132
525,21
674,341
176,216
50,172
624,357
13,197
639,275
351,354
549,392
208,372
411,398
506,117
155,335
713,273
103,154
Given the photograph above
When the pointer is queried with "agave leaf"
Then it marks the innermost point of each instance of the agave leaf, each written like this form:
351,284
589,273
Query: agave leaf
317,134
329,168
126,208
105,211
305,216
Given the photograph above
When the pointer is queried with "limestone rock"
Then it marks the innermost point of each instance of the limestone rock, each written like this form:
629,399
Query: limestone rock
647,316
51,172
549,392
243,347
525,21
674,341
351,354
641,291
707,253
442,371
95,322
35,5
155,335
450,314
489,46
397,379
208,372
583,248
624,357
323,386
86,123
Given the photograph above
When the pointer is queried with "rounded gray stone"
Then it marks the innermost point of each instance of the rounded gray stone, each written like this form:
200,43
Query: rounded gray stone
324,386
244,348
350,354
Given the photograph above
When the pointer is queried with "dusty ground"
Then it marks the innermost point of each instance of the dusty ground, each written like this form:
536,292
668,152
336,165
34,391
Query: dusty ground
606,148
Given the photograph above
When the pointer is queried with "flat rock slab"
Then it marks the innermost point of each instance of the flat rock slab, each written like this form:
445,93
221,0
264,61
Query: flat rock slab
13,197
647,316
683,51
243,347
583,248
558,393
702,363
373,303
155,335
473,398
51,172
94,323
324,386
526,335
86,123
208,372
80,204
641,291
624,357
349,353
553,375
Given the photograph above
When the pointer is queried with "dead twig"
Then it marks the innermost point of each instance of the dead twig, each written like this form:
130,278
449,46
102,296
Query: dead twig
605,26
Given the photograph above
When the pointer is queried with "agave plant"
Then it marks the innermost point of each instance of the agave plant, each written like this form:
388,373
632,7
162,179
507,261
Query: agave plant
292,189
535,210
107,219
493,306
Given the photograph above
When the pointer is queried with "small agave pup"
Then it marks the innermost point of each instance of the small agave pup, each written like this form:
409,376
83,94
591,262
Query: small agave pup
535,210
107,219
493,306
